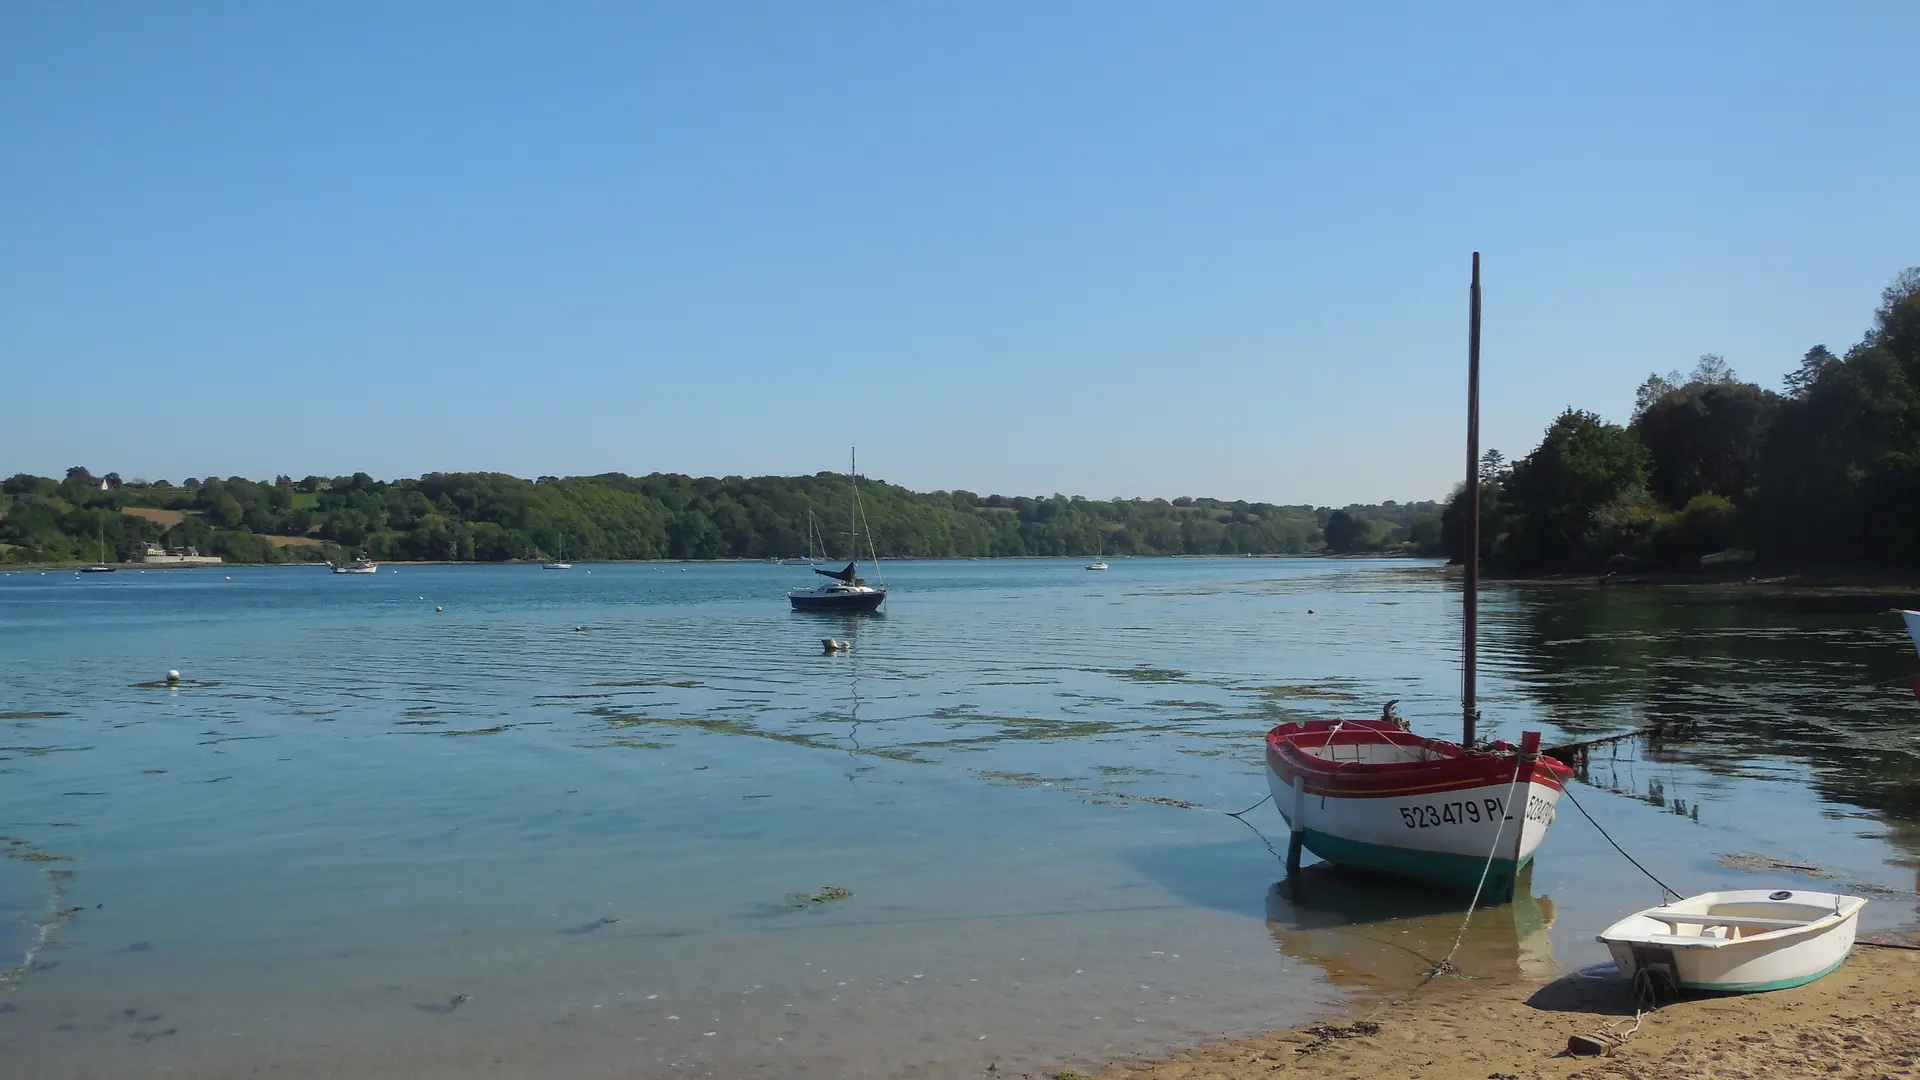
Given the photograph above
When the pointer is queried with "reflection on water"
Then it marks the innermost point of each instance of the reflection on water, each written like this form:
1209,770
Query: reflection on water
582,801
1810,678
1388,937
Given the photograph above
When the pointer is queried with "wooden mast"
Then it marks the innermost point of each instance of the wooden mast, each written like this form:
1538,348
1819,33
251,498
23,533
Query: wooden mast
1470,601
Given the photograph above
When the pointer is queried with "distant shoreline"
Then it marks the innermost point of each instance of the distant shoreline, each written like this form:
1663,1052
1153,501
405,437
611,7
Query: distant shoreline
74,567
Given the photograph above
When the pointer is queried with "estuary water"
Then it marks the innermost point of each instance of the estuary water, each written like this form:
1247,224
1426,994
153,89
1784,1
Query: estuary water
627,820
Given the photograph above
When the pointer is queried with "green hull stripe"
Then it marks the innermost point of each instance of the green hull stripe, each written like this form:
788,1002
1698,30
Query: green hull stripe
1459,873
1759,987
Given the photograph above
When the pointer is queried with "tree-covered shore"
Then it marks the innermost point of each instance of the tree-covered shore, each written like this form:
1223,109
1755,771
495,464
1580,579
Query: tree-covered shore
1715,472
1710,470
491,517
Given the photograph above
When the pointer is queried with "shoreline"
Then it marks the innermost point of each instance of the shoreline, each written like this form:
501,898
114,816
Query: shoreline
1861,1021
21,568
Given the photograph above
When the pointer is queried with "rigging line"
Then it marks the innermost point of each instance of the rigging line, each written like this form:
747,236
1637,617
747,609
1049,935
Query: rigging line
1671,891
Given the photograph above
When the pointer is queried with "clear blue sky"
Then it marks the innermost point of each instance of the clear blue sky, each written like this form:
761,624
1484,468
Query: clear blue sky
1088,247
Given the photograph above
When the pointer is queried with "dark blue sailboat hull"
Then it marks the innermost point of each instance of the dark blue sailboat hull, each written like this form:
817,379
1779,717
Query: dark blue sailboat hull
868,601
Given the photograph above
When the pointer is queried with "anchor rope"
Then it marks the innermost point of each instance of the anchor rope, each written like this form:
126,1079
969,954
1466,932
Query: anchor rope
1670,890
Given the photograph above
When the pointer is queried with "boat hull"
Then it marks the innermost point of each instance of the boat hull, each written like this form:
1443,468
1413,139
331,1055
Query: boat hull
1444,822
867,601
1697,958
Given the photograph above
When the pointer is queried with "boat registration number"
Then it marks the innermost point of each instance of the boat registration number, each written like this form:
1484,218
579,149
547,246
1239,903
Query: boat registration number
1471,812
1467,812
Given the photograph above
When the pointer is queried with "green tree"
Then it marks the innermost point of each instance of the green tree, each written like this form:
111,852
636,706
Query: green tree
1582,465
1343,532
1705,437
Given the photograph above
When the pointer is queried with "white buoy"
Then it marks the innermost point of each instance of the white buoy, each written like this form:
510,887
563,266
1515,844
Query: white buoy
438,608
173,676
229,576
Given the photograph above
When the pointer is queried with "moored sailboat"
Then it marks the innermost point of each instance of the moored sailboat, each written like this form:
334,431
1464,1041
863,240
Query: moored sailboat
1371,795
848,591
100,567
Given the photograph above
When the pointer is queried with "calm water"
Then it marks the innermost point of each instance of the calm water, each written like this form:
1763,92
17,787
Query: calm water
558,828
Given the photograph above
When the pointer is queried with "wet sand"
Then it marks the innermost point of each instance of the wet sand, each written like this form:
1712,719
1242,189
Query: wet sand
1862,1021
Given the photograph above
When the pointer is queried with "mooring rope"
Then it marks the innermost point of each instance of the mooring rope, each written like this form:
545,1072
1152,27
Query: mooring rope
1446,964
1670,890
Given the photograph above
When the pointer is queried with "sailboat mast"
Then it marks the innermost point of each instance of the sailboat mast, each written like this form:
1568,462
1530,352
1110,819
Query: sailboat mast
853,504
1470,600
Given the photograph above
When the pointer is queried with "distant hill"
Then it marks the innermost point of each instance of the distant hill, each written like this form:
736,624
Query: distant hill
491,517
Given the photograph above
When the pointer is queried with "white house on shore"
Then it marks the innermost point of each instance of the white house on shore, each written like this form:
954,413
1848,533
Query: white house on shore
155,555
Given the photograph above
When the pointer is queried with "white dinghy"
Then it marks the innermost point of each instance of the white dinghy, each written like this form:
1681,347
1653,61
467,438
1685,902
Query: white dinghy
1736,942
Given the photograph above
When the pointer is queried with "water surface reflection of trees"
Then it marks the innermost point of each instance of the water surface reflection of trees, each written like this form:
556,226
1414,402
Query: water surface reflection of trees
1820,680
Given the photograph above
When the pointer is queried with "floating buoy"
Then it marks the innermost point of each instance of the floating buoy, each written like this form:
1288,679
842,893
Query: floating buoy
229,576
438,608
1309,611
419,598
173,676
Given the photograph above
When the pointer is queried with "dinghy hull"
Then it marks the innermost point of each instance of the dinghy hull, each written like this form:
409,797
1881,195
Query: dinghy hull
1738,942
1370,796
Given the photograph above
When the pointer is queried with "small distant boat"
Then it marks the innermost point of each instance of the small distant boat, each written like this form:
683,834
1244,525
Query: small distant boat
560,561
358,566
849,591
1097,564
1737,942
100,567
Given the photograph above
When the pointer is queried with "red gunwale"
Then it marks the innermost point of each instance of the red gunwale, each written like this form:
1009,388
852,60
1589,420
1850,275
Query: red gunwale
1457,768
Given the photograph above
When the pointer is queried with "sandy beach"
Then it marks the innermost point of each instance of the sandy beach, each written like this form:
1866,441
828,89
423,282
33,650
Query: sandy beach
1862,1021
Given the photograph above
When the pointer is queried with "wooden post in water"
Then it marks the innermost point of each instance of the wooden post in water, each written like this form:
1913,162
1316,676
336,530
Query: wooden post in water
1470,600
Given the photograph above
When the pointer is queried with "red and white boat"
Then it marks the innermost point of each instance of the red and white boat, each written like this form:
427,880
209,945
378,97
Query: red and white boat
1370,795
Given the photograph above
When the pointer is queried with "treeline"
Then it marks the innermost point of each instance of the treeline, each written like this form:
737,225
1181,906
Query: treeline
490,517
1714,468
